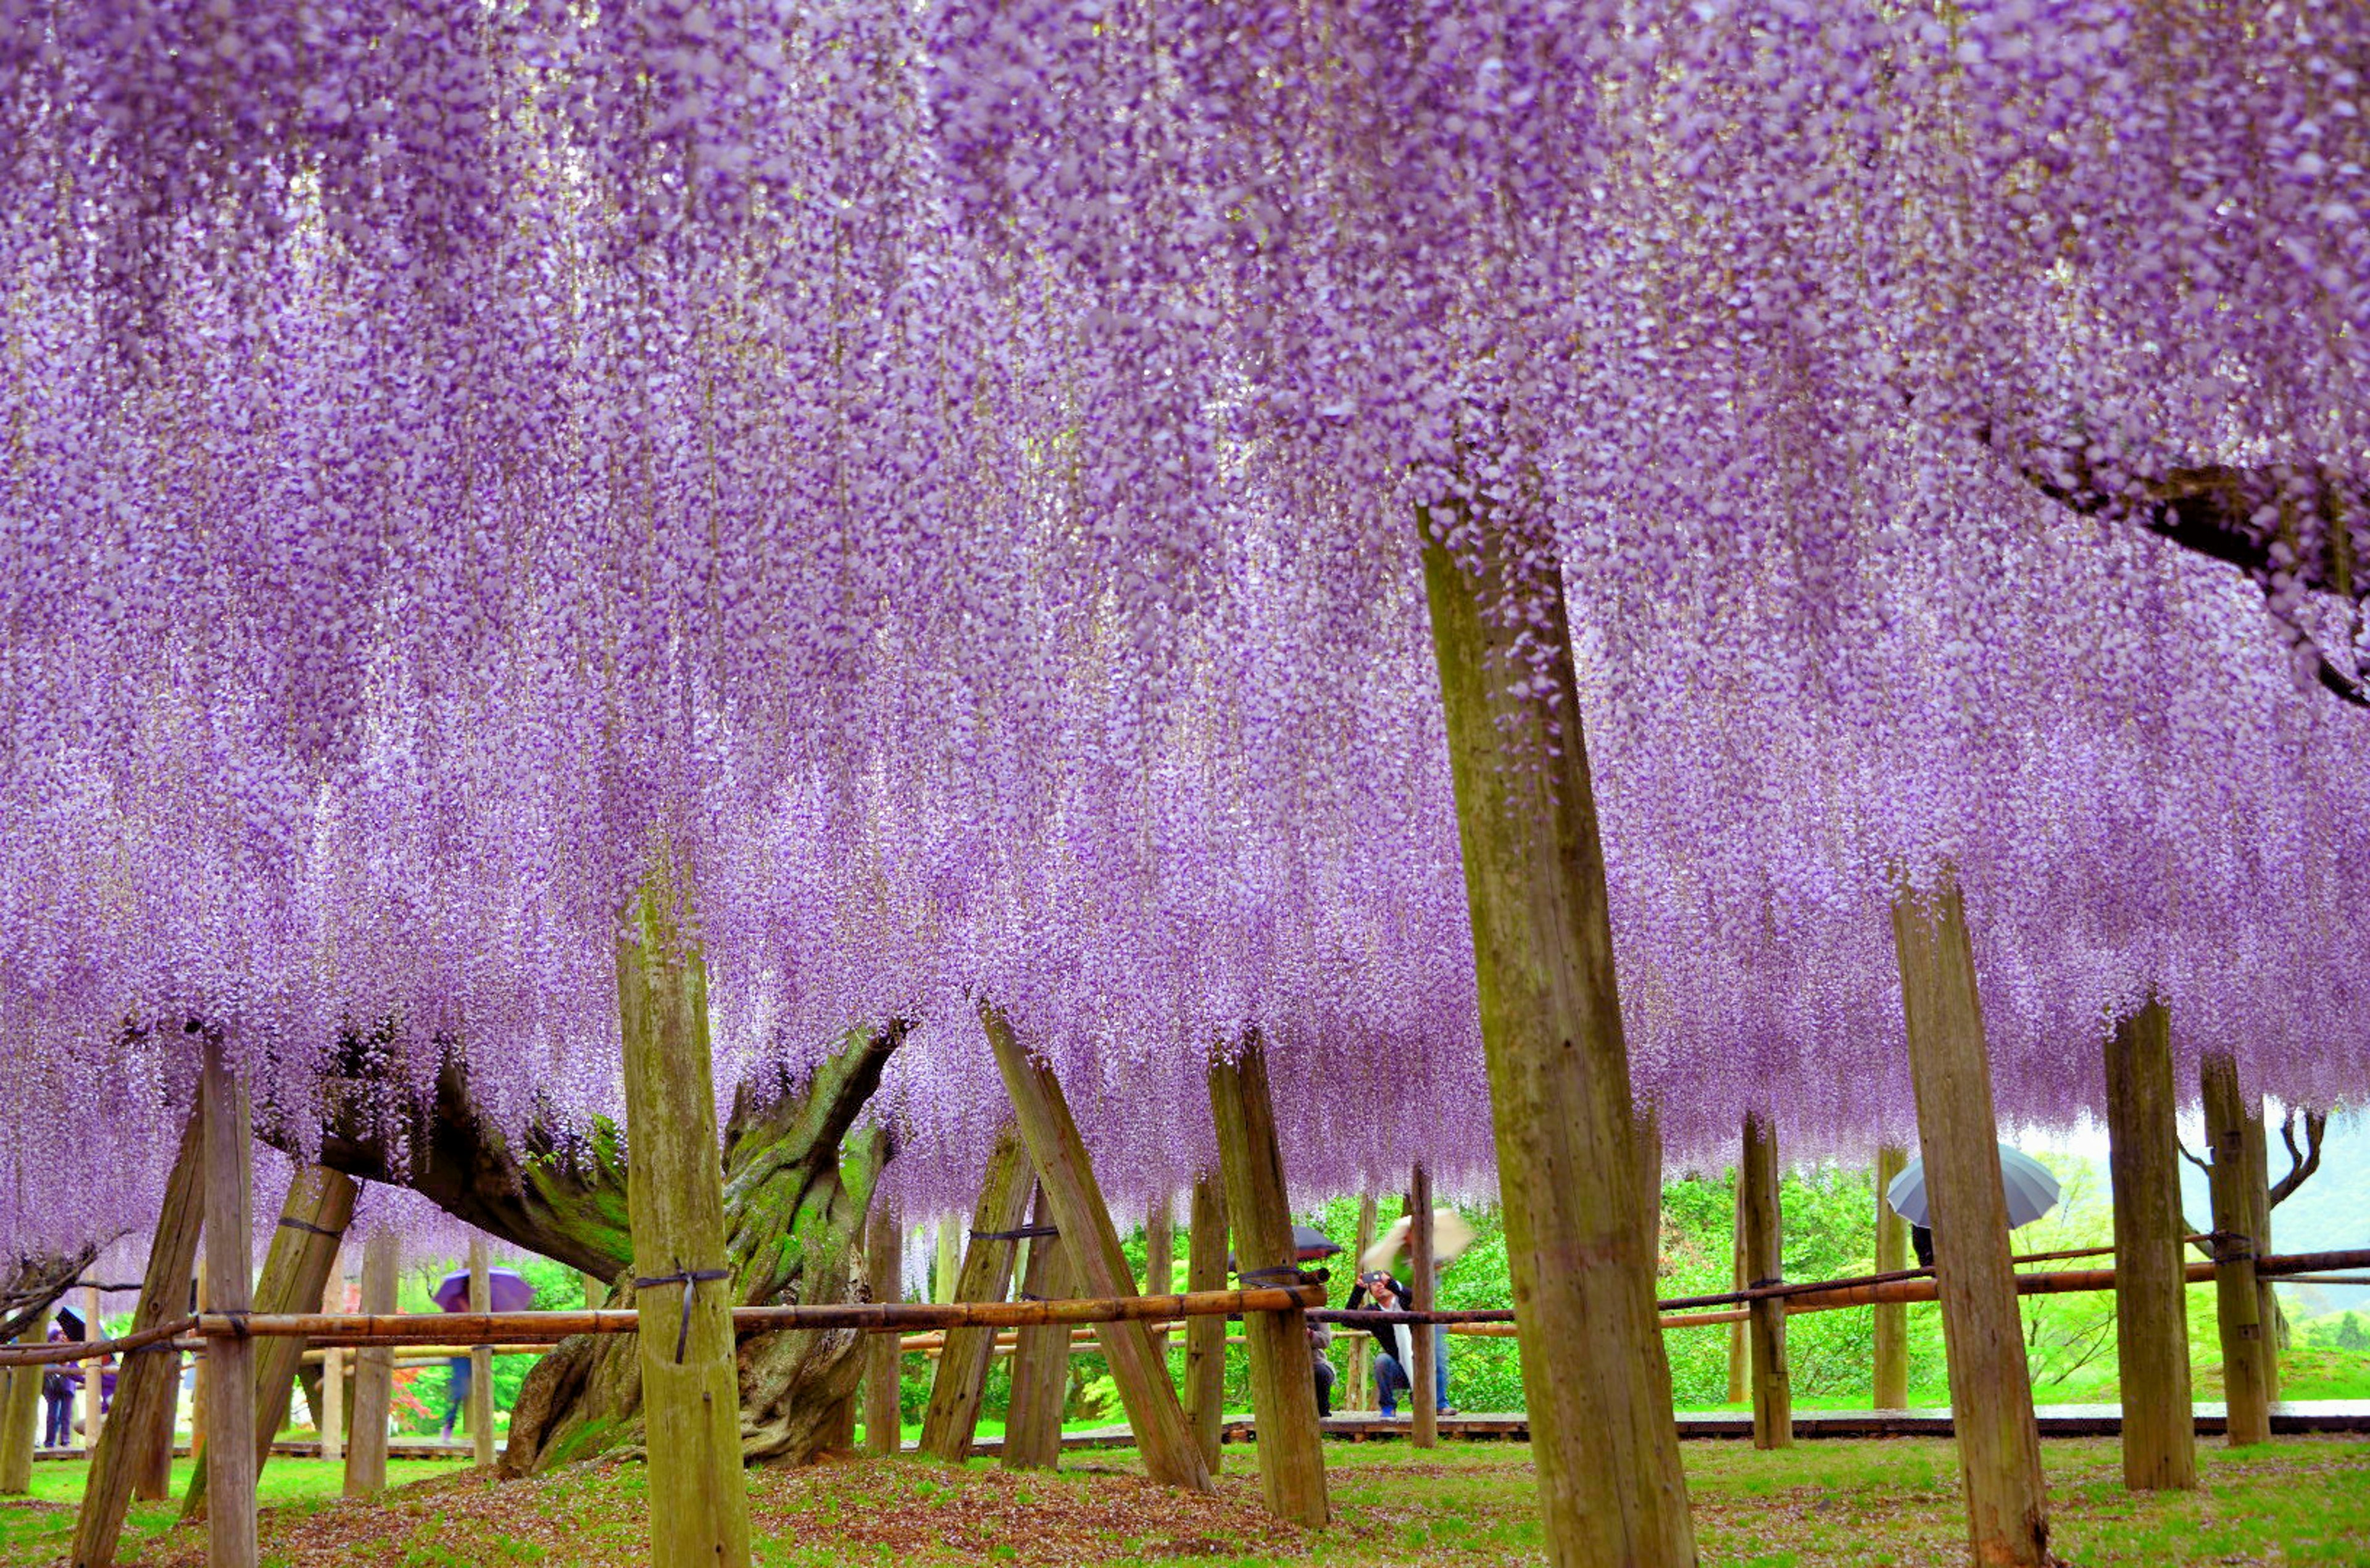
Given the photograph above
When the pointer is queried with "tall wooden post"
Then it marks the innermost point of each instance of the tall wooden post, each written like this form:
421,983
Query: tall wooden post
2258,1181
1205,1338
373,1374
1596,1382
229,1365
2245,1344
2151,1279
885,1249
296,1268
20,1414
94,1379
481,1362
143,1389
949,1259
952,1418
1891,1349
203,1303
1283,1382
1991,1388
1041,1359
1161,1259
151,1470
1764,1228
1737,1382
1059,1154
675,1197
1422,1396
333,1372
1358,1376
1650,1160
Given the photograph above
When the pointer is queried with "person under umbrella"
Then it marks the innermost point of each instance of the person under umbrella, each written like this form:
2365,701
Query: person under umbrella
508,1291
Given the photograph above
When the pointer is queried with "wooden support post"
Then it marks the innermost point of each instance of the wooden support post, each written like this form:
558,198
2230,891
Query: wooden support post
2151,1286
1650,1212
333,1371
1737,1382
20,1414
1423,1395
949,1259
674,1195
2258,1226
1991,1388
374,1375
1205,1338
1040,1358
151,1472
203,1302
1757,1186
1891,1340
596,1290
1358,1378
296,1268
128,1447
1596,1382
1171,1455
2238,1298
1161,1259
229,1365
94,1374
952,1418
481,1362
1283,1378
884,1248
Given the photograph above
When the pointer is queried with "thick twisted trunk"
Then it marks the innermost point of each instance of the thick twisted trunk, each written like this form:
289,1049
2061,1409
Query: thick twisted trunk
798,1180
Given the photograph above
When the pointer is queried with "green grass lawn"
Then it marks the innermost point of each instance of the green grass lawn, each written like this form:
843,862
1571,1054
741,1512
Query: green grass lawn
2295,1502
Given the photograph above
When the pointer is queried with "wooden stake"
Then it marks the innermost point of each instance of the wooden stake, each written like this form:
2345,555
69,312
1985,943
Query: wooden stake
1283,1382
333,1371
1597,1383
481,1363
2238,1299
884,1261
1205,1338
128,1447
374,1375
1991,1390
229,1365
2258,1182
1059,1154
1041,1359
295,1269
1161,1259
952,1418
151,1471
197,1359
674,1195
1358,1379
1891,1354
1756,1184
1422,1396
942,1278
20,1414
2151,1296
94,1379
1736,1351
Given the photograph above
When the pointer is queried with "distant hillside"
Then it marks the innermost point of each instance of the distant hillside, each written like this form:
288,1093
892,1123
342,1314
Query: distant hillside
2328,1213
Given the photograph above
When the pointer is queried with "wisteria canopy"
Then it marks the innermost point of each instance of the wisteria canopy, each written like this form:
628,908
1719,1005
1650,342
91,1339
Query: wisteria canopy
946,476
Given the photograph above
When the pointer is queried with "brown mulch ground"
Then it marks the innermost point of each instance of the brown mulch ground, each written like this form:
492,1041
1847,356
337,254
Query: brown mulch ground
916,1512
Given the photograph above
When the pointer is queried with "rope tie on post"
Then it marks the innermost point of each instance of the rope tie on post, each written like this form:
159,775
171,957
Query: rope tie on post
1288,1275
1026,1233
689,1279
293,1223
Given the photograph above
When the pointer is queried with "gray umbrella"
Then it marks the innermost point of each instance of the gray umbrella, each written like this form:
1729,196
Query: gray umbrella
2031,1190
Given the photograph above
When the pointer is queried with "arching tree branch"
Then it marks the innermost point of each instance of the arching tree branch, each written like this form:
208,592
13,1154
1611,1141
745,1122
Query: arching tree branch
2302,1162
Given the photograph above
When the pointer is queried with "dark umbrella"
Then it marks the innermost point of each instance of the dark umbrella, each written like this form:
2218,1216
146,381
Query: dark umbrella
1308,1244
506,1289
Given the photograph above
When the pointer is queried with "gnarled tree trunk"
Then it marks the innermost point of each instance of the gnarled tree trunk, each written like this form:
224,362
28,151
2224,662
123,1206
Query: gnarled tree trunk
798,1180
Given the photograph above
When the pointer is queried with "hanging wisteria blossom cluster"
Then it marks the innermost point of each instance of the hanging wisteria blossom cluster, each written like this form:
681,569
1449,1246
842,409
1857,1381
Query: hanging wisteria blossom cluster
944,477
